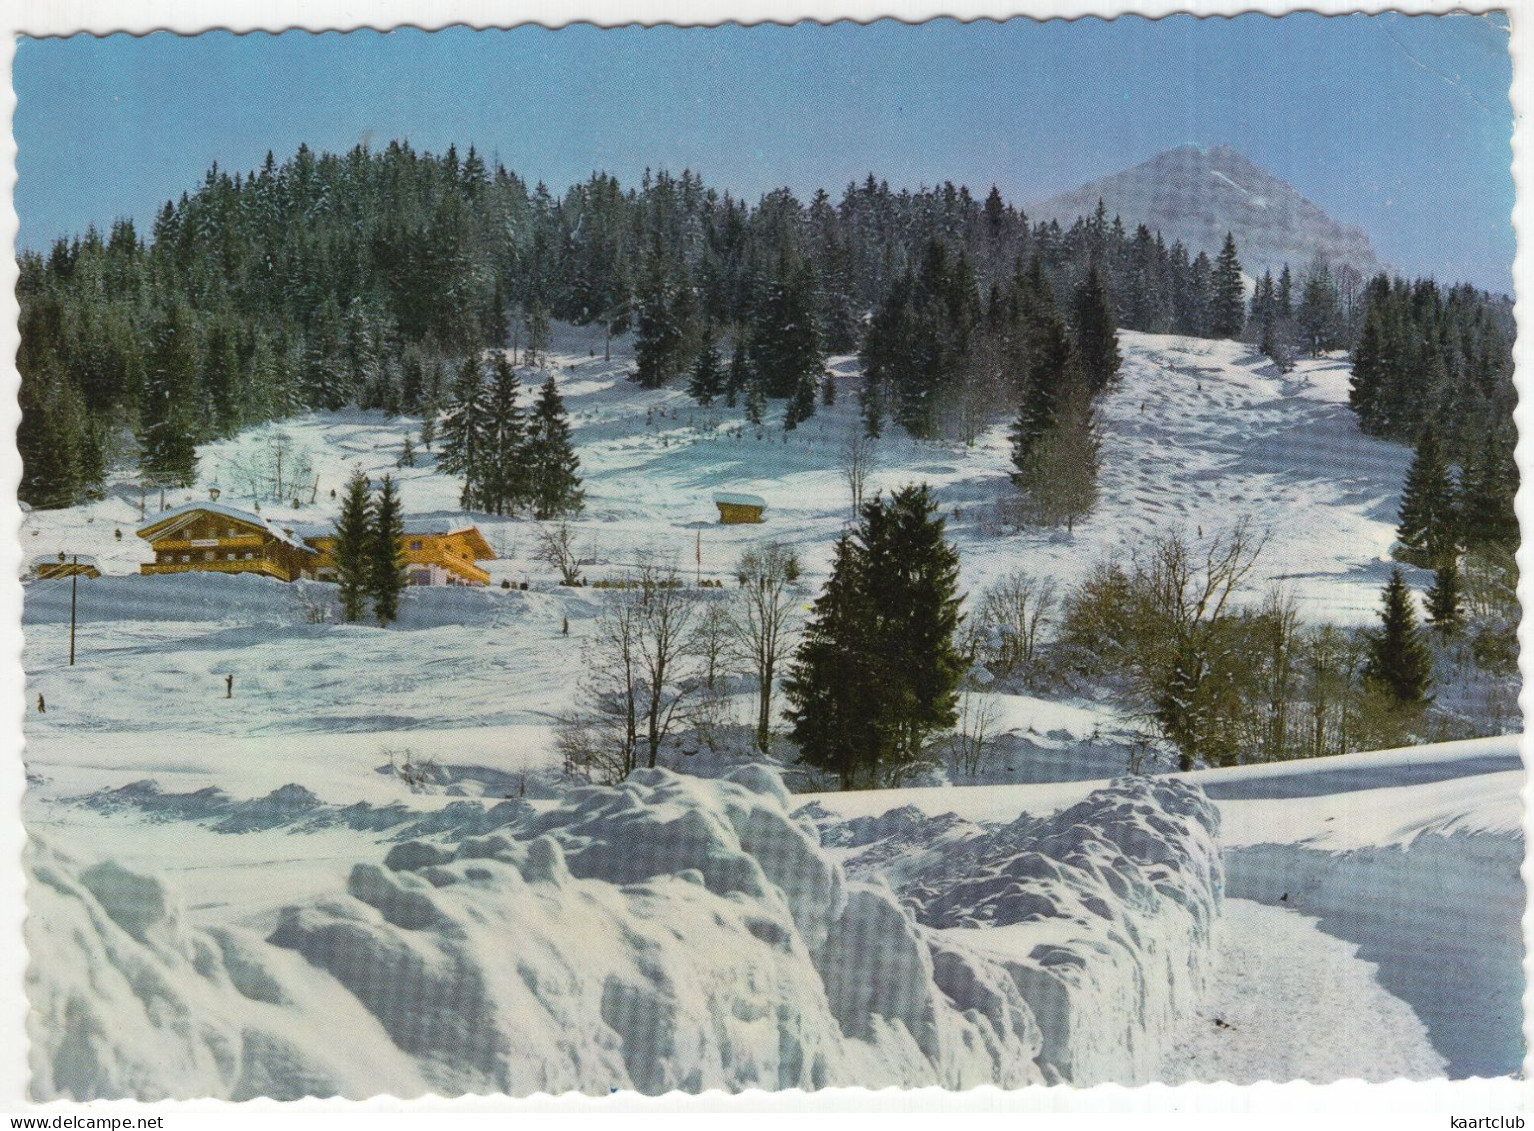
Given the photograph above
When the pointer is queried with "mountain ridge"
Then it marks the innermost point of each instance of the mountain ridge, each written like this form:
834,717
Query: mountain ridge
1196,195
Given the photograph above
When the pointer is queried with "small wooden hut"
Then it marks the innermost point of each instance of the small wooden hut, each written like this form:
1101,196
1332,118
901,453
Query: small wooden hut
734,508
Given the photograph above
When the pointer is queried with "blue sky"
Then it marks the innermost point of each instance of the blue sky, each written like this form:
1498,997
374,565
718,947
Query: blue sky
1398,124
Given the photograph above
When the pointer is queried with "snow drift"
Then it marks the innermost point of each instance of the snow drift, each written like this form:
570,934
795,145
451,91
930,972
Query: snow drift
1101,915
668,933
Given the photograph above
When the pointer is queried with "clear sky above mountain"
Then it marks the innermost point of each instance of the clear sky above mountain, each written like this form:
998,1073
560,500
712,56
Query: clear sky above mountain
1398,124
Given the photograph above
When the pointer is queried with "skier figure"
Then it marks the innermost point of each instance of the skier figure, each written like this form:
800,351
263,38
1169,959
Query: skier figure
42,708
229,686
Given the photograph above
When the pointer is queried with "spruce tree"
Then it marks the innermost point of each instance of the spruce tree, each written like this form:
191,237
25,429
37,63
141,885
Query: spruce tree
1227,313
708,379
756,401
739,374
784,341
465,434
801,404
1488,490
1097,337
553,466
832,684
353,548
878,670
1399,662
168,402
660,337
1428,530
1367,393
504,481
1444,609
386,552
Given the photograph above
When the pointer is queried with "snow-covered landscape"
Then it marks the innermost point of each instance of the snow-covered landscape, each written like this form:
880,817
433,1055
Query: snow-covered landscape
237,890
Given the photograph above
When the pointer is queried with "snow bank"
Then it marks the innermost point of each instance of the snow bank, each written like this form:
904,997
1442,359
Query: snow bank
669,933
129,1001
1100,914
1440,915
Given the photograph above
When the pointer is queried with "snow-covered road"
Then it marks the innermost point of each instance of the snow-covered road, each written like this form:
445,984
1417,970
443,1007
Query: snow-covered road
1290,1002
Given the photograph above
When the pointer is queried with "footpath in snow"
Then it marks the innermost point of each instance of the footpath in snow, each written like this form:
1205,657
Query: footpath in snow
1287,1001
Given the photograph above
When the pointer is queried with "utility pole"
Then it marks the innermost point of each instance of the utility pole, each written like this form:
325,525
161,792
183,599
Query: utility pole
74,587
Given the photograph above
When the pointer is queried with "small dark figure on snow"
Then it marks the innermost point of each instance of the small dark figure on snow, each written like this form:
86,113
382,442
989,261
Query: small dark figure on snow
42,708
566,630
229,686
118,534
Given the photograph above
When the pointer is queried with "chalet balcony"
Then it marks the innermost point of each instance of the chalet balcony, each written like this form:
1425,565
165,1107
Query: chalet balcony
184,545
253,565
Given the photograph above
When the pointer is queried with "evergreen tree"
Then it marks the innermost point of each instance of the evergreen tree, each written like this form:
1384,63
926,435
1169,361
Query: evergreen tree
833,684
1097,338
552,463
801,404
739,375
1444,609
756,402
168,403
878,670
660,337
784,341
1398,660
1320,312
466,445
1368,392
538,336
353,548
1227,313
1489,487
1428,530
708,378
386,553
1051,369
871,409
504,486
1057,478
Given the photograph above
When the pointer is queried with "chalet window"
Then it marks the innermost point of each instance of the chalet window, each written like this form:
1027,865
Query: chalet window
231,557
232,532
207,555
186,557
415,545
420,577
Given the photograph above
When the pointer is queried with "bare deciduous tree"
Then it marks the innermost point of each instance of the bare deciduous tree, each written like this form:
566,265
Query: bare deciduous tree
763,621
667,610
556,546
970,742
857,464
1013,614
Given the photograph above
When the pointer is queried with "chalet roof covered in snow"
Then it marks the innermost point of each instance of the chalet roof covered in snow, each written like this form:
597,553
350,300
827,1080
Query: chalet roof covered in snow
167,521
415,527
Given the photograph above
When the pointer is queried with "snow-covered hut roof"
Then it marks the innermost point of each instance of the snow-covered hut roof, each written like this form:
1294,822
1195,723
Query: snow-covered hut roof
166,521
52,561
736,499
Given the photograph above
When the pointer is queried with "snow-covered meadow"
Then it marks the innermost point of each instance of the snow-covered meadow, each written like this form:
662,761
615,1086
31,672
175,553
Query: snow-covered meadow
238,896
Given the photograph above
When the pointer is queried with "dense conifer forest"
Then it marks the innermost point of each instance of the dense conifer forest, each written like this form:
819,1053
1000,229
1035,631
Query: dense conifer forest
372,278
